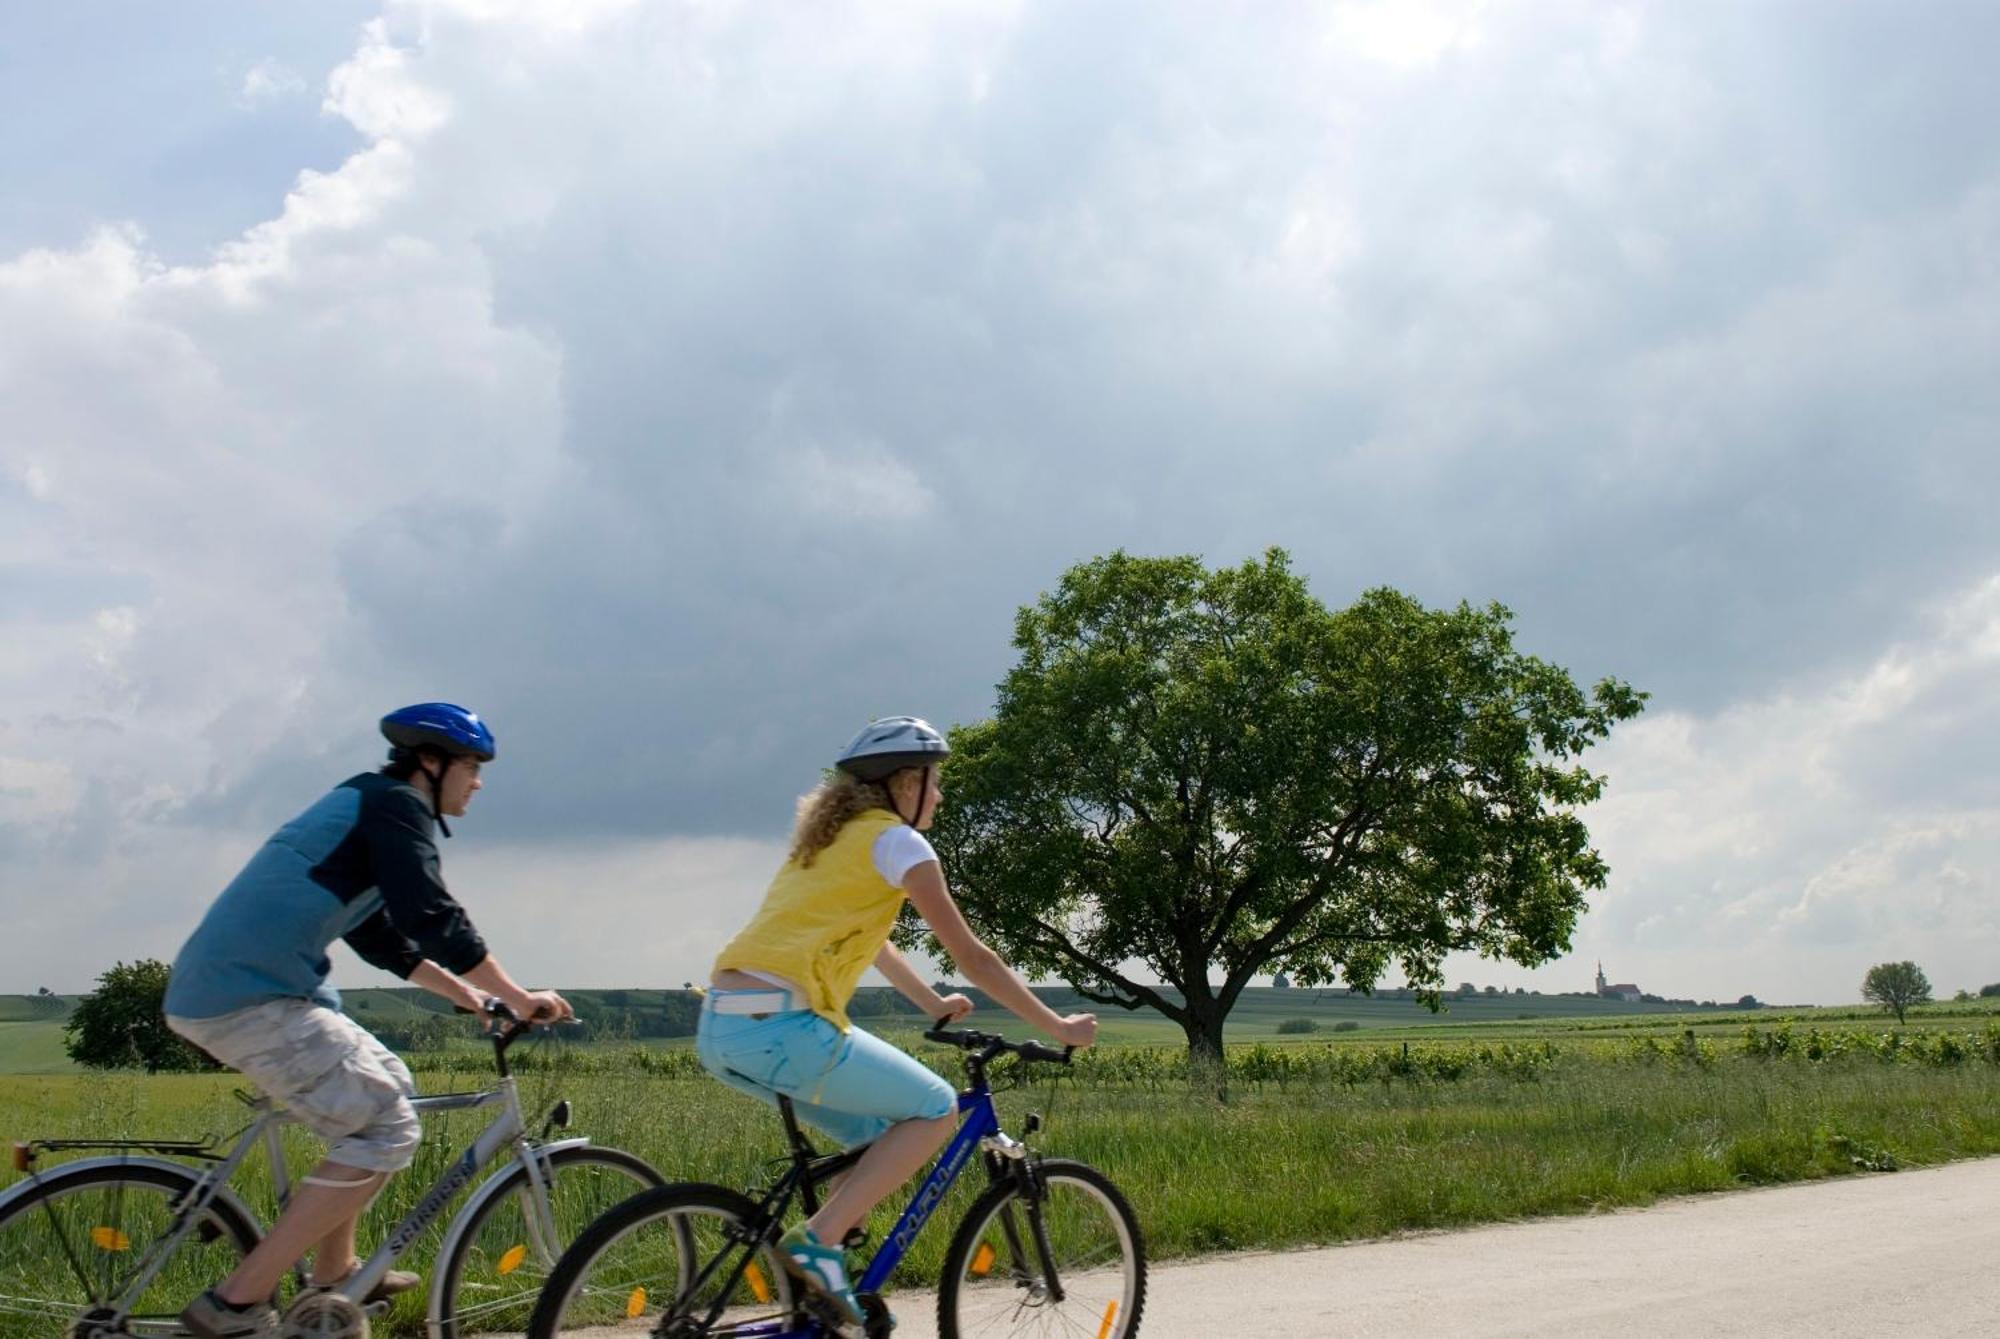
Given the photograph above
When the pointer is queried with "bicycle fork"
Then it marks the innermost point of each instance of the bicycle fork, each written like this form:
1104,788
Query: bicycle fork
1009,1160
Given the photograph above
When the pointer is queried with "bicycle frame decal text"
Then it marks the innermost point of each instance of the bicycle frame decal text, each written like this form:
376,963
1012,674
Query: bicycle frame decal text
434,1201
934,1189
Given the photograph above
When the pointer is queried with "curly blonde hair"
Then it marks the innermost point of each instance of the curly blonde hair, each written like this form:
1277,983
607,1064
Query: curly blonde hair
825,809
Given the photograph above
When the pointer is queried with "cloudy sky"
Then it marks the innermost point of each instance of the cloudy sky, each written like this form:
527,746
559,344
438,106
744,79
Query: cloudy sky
683,383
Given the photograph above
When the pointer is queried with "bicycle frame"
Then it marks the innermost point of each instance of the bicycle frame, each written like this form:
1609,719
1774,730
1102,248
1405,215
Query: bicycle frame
507,1128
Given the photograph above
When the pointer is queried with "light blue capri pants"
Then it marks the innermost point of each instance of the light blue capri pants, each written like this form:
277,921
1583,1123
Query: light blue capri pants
851,1086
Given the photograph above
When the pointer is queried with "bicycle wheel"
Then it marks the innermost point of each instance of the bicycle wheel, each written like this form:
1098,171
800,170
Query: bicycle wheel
1078,1228
674,1262
74,1243
498,1266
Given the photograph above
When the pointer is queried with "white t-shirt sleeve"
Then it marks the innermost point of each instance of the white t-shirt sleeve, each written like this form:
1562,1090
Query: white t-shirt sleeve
898,851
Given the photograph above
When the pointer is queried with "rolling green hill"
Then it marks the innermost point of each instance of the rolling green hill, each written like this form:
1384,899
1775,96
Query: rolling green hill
31,1034
35,1008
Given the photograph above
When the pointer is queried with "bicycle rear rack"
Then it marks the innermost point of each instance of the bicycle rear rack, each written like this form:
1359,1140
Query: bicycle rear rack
26,1152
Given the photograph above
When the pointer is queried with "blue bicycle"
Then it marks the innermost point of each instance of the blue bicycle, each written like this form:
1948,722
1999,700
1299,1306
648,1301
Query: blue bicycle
1050,1247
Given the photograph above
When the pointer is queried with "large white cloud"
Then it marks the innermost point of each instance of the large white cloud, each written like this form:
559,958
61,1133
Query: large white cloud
680,383
1783,845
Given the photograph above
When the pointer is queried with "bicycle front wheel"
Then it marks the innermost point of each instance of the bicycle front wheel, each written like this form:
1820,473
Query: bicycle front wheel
499,1264
77,1241
1063,1259
678,1262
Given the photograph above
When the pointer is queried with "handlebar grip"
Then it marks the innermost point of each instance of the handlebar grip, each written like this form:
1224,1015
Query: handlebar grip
1036,1051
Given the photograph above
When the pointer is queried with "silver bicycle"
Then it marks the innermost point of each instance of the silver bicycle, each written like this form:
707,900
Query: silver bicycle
112,1246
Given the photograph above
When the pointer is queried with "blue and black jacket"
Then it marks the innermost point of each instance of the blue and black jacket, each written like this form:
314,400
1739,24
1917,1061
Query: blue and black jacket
360,865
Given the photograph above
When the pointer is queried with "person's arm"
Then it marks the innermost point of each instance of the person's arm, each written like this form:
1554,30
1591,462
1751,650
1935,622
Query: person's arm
492,978
405,859
446,986
938,1008
403,856
981,965
380,944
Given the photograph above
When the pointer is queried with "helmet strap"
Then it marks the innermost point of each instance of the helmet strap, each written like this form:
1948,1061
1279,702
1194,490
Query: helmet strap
437,792
923,784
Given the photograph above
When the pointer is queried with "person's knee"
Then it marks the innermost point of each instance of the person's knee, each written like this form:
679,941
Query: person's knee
332,1175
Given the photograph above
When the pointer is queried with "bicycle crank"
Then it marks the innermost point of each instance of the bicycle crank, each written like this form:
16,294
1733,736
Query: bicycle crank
325,1316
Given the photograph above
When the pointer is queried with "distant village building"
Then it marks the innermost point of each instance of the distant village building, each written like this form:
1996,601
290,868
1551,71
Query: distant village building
1625,991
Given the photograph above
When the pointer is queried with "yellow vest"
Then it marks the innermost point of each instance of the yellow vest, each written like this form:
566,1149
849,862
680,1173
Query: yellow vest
822,925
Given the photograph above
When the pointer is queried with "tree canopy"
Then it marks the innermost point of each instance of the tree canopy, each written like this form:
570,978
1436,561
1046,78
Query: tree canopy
1896,986
120,1024
1213,776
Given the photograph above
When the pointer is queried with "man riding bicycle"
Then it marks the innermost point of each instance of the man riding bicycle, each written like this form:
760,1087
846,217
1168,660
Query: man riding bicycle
249,988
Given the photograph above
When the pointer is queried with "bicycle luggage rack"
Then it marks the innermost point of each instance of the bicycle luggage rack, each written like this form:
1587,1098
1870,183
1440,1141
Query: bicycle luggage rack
25,1152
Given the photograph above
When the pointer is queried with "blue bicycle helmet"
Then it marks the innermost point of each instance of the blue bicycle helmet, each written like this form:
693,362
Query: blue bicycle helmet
443,726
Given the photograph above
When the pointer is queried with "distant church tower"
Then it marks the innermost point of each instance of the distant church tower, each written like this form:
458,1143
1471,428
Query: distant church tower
1601,984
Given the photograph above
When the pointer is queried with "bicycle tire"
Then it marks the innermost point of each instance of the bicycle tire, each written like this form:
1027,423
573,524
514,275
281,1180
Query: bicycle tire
1090,1216
40,1252
492,1280
686,1218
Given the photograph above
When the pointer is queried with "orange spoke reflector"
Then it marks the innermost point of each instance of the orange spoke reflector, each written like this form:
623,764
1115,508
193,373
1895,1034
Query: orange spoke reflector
109,1239
759,1285
511,1261
1110,1314
635,1304
982,1261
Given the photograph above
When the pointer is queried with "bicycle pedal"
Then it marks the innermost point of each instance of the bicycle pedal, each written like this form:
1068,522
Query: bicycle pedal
877,1322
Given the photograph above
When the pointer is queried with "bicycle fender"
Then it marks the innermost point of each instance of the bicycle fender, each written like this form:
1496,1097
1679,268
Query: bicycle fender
55,1175
475,1202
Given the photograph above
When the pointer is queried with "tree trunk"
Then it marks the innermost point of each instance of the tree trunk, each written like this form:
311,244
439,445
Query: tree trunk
1206,1069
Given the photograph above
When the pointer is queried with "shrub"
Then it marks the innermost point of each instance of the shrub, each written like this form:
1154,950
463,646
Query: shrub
1292,1027
120,1024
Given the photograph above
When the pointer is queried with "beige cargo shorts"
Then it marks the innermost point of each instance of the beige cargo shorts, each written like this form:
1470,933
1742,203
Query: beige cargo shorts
324,1068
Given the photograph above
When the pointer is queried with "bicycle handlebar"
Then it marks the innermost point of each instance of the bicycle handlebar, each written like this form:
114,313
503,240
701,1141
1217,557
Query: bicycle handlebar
507,1026
968,1040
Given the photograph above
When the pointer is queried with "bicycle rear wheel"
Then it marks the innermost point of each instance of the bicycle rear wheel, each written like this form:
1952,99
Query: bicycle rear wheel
1066,1259
676,1262
76,1241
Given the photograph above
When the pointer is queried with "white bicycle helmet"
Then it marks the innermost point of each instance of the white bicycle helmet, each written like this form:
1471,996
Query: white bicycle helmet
887,746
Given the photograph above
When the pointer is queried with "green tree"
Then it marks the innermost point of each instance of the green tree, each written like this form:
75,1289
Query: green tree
1896,986
1212,775
120,1024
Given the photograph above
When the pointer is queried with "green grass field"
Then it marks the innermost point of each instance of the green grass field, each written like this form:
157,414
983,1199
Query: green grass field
1333,1140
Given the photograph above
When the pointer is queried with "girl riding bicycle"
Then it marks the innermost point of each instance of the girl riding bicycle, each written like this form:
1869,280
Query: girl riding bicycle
775,1019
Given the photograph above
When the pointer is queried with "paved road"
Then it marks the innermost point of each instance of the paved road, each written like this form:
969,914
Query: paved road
1912,1253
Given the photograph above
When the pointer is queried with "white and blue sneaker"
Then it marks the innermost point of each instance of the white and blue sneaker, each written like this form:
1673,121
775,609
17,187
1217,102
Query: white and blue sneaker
822,1268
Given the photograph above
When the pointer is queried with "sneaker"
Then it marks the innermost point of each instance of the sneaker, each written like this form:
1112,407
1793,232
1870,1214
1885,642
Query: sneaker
209,1317
822,1268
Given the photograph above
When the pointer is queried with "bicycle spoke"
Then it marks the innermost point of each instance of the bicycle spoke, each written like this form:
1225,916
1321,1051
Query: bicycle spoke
88,1237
